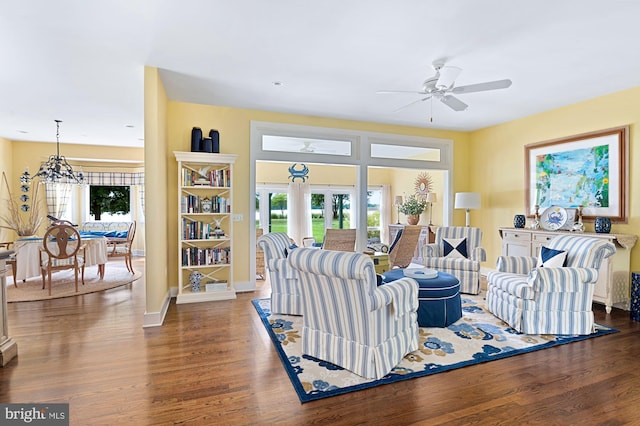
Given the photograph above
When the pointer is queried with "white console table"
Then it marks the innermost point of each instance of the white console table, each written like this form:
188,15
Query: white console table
614,280
8,347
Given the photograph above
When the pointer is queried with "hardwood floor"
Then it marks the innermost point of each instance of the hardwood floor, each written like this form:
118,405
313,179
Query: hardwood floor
213,363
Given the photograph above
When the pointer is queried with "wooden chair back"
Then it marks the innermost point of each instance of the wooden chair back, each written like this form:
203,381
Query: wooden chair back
339,239
402,250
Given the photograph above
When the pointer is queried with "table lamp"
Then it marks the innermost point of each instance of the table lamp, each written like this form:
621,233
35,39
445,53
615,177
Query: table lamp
431,198
398,203
467,201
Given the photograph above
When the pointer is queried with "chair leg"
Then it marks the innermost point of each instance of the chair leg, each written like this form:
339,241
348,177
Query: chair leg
49,282
75,273
82,274
101,271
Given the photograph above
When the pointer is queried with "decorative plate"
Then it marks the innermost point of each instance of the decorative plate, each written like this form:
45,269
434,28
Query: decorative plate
553,218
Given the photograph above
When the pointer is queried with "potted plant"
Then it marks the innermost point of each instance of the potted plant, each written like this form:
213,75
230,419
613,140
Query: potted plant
413,207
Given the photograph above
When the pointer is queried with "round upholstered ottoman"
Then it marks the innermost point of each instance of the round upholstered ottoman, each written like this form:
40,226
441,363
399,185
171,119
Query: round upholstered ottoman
439,298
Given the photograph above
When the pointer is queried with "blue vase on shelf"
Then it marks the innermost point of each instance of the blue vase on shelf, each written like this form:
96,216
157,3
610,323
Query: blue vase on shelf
603,225
519,221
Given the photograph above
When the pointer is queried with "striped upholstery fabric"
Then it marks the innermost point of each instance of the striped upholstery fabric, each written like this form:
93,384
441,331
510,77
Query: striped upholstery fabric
467,271
348,320
549,300
285,295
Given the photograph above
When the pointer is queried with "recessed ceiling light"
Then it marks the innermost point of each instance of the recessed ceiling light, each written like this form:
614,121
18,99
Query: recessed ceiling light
22,131
277,83
131,126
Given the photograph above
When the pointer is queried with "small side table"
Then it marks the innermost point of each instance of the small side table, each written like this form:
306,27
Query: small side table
380,261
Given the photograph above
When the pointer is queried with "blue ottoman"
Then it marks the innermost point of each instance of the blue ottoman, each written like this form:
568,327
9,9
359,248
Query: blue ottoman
439,298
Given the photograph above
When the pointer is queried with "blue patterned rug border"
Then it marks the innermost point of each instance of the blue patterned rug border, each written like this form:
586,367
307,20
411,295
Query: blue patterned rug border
391,377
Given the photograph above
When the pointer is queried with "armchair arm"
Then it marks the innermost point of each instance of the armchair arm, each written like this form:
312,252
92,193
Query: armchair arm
402,294
277,264
430,250
516,264
479,254
562,280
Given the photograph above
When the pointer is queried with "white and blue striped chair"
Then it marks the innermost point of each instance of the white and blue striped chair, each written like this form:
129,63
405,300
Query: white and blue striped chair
465,269
547,300
348,320
285,295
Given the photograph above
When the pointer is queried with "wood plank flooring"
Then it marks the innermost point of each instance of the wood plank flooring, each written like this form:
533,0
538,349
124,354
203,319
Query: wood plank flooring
213,363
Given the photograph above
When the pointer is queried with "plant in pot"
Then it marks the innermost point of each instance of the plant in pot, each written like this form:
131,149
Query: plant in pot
413,208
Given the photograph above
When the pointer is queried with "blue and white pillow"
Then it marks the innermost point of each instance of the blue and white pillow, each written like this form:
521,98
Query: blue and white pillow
455,248
551,258
291,247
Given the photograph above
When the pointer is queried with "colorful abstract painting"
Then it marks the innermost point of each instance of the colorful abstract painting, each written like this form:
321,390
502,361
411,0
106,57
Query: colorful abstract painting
573,178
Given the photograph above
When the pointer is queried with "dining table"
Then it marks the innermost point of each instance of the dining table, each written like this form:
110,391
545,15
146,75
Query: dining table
28,262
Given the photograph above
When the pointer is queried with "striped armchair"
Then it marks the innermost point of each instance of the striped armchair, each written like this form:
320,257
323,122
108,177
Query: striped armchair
285,295
348,320
465,268
548,300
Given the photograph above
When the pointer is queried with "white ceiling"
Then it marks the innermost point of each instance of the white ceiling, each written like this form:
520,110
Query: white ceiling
82,61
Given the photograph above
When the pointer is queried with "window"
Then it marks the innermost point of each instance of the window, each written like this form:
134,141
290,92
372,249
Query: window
110,203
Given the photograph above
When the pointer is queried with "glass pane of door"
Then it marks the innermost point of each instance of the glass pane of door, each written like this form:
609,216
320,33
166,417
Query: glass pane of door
278,212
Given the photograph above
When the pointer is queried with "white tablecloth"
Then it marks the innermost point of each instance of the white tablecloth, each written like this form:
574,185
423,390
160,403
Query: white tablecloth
27,260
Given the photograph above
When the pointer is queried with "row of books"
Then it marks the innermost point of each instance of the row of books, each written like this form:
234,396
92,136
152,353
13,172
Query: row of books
195,230
219,178
196,204
197,256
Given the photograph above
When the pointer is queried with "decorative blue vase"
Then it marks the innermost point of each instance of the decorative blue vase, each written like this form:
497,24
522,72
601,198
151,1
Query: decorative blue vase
519,221
603,225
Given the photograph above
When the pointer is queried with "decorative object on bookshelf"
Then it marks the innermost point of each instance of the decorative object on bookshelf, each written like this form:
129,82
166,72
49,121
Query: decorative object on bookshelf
519,221
195,279
206,205
603,225
214,135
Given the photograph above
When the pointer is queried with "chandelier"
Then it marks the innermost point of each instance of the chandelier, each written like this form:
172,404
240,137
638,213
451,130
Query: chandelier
56,169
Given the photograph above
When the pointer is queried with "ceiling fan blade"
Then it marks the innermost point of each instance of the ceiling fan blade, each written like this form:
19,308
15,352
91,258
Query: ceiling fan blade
387,92
447,77
453,103
481,87
411,103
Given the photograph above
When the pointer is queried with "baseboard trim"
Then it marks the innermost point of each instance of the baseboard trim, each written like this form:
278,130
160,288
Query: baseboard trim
243,286
156,319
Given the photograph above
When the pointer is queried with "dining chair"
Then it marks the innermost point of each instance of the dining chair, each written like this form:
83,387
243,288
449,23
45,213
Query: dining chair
339,239
122,247
61,249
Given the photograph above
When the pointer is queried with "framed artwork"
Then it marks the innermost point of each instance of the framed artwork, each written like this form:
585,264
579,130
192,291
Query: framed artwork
588,170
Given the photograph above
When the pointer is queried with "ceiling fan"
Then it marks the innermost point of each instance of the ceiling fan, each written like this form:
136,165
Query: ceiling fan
442,87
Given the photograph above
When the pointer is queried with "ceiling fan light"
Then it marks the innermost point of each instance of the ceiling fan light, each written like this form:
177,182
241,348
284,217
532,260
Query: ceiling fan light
448,76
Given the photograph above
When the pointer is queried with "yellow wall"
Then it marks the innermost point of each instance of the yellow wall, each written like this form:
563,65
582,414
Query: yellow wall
234,127
496,161
157,207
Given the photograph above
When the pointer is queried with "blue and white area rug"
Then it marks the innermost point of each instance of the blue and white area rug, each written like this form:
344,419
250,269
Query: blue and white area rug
477,337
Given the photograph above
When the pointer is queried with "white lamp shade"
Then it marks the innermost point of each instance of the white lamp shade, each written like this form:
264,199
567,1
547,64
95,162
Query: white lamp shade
467,200
398,200
432,197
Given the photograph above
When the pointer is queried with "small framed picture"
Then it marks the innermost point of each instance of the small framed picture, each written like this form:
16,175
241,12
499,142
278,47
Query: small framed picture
572,216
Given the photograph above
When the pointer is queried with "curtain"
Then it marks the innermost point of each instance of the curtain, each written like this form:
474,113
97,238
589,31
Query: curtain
299,211
385,213
57,195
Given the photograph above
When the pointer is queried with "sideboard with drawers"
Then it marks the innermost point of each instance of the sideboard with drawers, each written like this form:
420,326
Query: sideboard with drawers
614,280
